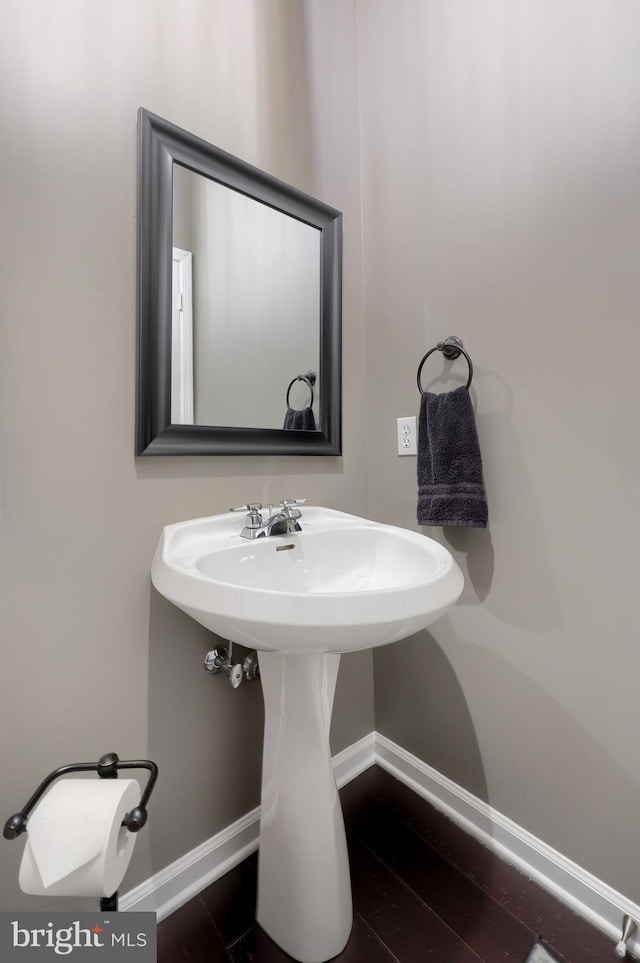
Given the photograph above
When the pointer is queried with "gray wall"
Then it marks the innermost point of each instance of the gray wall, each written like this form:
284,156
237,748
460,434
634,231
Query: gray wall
499,144
93,659
501,186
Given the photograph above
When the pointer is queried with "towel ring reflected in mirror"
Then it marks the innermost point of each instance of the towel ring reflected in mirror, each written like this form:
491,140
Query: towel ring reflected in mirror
309,377
452,347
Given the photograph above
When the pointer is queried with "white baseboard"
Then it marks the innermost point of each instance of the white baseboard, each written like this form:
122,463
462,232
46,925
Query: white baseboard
355,759
578,889
176,884
586,895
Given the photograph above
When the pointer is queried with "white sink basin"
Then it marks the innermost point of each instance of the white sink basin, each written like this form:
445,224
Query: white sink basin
342,583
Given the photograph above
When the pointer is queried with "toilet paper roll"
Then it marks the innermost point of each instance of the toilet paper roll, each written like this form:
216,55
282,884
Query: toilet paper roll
76,844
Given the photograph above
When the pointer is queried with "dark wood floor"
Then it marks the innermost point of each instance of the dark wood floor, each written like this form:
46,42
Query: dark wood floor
422,890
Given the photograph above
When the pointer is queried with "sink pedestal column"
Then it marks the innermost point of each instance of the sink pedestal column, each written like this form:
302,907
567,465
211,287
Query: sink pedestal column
304,888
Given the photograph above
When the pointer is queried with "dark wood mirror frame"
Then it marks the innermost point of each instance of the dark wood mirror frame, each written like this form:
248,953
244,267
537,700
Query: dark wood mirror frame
161,144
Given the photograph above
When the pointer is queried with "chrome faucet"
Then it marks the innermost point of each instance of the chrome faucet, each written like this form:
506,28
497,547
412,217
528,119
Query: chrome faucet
281,521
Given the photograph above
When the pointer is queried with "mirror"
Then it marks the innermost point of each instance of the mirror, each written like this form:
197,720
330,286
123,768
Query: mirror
239,305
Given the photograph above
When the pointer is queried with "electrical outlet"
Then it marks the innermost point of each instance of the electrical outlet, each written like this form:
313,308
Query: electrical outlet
407,444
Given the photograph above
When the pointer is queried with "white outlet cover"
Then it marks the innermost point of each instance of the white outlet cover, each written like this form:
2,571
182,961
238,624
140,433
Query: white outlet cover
407,438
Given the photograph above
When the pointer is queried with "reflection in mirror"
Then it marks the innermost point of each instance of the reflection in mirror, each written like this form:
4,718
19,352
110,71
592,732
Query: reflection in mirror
255,306
239,301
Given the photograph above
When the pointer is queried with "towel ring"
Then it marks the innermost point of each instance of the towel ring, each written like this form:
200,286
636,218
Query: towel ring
309,377
452,347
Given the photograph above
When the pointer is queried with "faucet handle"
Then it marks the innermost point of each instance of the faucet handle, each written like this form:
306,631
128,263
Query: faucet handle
288,506
253,521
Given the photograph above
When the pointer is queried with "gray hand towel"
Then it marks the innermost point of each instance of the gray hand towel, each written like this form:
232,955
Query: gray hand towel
450,481
300,420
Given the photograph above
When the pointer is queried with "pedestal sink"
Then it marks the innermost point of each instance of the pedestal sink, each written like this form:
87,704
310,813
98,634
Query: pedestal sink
341,584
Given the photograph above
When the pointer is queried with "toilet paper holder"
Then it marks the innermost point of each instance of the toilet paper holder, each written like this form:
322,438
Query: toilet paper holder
107,767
